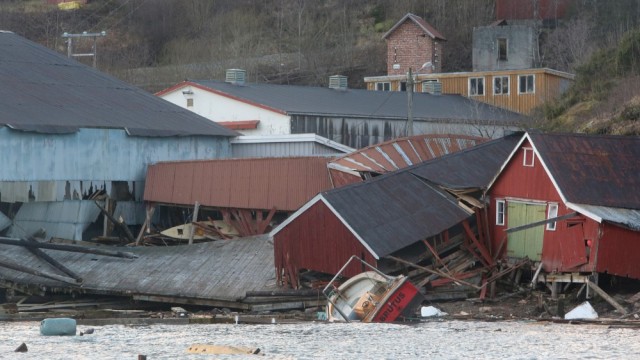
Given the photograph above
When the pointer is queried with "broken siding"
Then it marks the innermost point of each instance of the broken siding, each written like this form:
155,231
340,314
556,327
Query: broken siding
44,163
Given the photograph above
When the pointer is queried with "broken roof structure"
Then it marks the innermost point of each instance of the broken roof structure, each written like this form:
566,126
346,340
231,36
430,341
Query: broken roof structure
396,154
567,202
387,214
156,274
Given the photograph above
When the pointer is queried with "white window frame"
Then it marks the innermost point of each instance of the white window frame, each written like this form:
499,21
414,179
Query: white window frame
424,83
533,84
528,158
380,86
552,211
476,87
501,78
501,205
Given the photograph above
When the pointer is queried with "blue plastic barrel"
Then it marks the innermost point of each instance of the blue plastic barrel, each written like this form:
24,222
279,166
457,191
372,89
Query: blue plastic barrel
58,327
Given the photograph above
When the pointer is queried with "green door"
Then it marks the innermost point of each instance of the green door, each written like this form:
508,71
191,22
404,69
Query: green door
525,242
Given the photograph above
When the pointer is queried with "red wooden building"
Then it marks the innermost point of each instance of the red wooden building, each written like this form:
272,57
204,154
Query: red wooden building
392,214
589,185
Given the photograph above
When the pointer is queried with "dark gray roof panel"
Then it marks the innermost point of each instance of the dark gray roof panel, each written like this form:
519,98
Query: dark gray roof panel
473,167
43,91
601,170
301,100
395,210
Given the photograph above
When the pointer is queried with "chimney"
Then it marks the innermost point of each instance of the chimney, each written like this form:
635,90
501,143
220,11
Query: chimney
235,76
338,82
432,87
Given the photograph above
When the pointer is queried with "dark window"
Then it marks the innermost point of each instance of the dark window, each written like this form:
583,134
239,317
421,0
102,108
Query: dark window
403,86
476,86
383,86
502,49
500,85
527,84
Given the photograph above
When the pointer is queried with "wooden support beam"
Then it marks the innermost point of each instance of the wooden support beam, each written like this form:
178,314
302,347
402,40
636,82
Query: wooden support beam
541,222
262,226
608,298
436,272
35,272
483,250
55,263
147,223
194,218
72,248
120,224
435,255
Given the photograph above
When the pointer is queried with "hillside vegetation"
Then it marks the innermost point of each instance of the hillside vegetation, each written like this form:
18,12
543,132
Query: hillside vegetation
157,43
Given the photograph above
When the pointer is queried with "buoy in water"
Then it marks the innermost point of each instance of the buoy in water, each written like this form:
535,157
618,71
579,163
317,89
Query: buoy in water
22,348
58,327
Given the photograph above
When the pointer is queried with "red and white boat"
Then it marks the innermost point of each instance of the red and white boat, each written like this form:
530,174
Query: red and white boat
371,296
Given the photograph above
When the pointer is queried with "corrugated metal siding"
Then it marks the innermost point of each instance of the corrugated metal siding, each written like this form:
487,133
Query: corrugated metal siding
285,183
288,149
317,240
96,154
618,251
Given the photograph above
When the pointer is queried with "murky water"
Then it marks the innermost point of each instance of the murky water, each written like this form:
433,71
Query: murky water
428,340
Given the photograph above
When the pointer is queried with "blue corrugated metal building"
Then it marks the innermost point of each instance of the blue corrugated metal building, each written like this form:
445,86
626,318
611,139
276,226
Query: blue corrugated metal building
68,130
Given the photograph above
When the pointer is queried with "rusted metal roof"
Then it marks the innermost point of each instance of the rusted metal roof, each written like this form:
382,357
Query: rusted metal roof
45,92
219,270
403,152
473,167
259,183
599,170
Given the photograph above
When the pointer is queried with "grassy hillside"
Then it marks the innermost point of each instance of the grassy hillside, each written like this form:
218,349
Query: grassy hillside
605,97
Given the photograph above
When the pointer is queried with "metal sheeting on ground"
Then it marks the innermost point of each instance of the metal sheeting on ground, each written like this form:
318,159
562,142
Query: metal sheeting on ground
263,183
66,219
219,270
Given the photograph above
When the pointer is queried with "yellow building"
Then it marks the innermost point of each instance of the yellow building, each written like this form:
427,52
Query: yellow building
519,90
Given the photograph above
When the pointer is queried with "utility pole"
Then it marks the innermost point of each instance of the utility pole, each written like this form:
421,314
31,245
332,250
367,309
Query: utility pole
410,103
94,49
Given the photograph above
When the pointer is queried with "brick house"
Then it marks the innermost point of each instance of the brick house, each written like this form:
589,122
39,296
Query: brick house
413,43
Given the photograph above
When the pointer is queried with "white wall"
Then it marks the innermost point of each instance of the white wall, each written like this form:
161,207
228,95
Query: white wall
221,108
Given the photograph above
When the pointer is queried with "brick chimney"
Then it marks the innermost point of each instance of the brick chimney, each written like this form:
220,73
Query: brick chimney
413,43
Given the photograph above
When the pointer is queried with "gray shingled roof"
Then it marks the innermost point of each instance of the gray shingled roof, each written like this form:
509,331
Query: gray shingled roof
395,210
46,92
473,167
601,170
307,100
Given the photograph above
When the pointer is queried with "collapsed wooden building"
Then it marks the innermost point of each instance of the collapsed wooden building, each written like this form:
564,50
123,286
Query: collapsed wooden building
568,202
409,216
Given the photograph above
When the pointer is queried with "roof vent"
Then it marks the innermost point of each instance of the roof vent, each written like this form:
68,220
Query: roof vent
235,76
432,87
338,82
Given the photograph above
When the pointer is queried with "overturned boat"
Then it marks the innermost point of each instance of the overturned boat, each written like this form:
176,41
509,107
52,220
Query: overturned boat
371,296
